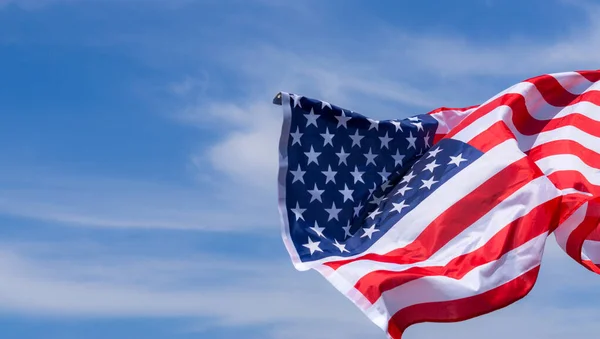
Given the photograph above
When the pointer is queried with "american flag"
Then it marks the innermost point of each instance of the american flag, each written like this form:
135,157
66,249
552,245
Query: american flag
443,216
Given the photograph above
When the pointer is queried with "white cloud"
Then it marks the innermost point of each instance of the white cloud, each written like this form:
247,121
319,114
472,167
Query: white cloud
225,292
396,74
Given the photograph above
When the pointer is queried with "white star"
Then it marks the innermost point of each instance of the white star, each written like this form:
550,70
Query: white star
428,183
312,156
318,230
374,124
419,126
398,158
356,139
342,119
377,200
328,137
426,140
357,210
325,104
347,230
357,175
333,212
298,175
413,119
411,141
329,175
457,160
385,185
408,177
369,231
313,246
398,125
347,193
370,157
430,166
298,212
403,190
371,190
434,153
343,156
375,213
315,194
384,175
341,247
385,140
297,100
311,118
296,136
398,207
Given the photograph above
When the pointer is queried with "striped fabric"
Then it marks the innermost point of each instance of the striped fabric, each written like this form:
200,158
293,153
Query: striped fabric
461,228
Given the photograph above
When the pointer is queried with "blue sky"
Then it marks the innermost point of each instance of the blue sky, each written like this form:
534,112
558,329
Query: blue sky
138,144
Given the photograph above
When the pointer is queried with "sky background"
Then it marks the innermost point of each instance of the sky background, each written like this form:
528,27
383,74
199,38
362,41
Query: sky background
138,149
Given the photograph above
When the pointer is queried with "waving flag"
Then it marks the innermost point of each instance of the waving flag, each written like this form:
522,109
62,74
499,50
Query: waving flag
443,216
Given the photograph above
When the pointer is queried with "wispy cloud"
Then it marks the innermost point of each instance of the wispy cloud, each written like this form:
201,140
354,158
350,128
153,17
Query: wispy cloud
228,292
397,73
44,280
126,203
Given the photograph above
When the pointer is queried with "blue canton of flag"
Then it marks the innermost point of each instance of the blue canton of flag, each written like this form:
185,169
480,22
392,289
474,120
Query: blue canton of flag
346,179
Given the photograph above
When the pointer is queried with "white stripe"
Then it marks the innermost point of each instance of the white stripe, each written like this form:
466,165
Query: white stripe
562,133
587,108
568,191
563,231
484,123
441,288
448,119
569,162
517,205
573,81
536,106
527,142
281,182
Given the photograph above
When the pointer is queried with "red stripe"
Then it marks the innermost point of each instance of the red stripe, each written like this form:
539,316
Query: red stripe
552,91
459,216
591,76
528,125
570,204
538,221
594,234
591,266
545,82
586,230
492,137
437,138
559,147
578,236
573,179
465,308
